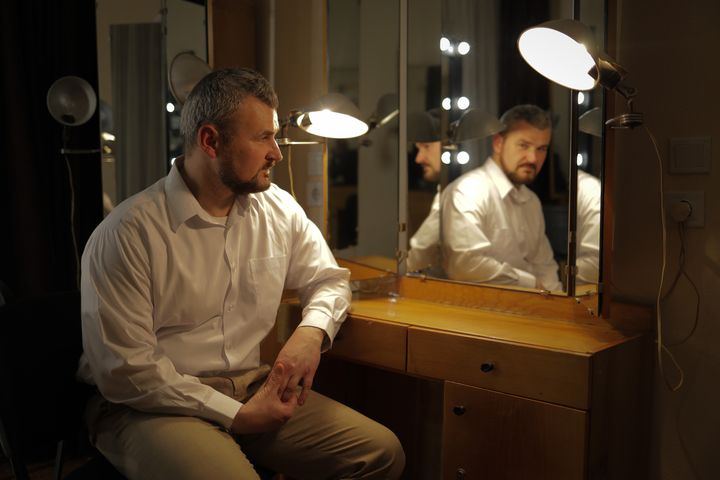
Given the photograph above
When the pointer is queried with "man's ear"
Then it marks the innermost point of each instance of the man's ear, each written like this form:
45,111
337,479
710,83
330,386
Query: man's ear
497,143
208,139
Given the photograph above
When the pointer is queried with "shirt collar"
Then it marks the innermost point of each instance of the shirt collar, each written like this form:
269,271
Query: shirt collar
504,185
183,205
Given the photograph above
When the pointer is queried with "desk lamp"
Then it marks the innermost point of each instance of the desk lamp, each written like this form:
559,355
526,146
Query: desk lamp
331,116
565,52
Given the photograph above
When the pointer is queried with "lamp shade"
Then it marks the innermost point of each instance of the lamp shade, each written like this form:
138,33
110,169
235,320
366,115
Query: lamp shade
591,122
71,101
332,116
563,51
186,70
424,127
474,124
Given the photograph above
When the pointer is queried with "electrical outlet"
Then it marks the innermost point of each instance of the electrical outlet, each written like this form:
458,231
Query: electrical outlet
696,201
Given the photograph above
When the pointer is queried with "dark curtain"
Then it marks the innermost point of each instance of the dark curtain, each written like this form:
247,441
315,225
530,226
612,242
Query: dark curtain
41,41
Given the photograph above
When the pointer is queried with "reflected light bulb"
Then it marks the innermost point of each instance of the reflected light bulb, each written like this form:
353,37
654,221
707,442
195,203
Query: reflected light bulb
463,157
463,48
581,98
444,44
580,159
463,103
170,107
445,158
446,103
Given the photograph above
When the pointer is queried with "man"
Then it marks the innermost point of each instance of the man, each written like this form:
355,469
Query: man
182,281
424,253
493,226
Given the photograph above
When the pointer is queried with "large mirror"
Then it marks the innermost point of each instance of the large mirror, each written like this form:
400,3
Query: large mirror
140,119
463,72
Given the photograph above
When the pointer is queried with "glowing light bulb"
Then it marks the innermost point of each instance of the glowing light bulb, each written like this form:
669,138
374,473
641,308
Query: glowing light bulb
463,103
444,44
463,157
445,158
446,103
463,48
170,107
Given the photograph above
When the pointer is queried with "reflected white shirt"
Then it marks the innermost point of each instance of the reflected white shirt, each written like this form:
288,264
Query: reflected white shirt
170,293
425,243
494,232
588,227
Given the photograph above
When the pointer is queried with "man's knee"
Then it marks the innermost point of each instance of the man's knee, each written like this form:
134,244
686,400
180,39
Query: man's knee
389,459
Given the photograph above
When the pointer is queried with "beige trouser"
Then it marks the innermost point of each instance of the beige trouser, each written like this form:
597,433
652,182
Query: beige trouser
323,440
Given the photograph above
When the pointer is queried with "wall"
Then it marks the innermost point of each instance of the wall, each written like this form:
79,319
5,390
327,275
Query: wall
671,59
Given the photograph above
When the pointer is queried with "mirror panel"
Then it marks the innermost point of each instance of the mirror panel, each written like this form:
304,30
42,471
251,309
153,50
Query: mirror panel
363,177
480,68
491,75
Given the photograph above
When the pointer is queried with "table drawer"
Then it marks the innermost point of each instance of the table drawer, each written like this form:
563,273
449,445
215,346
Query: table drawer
381,344
548,375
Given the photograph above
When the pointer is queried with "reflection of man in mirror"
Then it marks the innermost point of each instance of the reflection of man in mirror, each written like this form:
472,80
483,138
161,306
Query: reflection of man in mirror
424,253
493,224
588,227
588,203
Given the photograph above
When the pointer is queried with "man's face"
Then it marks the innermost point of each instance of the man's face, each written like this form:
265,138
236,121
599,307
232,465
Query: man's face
521,152
248,153
428,156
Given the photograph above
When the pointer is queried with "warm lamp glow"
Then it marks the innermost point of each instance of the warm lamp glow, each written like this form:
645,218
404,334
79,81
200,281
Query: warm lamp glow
325,123
558,57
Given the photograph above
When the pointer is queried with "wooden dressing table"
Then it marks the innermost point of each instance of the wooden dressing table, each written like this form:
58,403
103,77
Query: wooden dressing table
530,386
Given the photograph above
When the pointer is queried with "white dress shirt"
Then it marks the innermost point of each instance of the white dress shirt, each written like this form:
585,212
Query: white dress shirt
170,293
424,251
495,232
588,228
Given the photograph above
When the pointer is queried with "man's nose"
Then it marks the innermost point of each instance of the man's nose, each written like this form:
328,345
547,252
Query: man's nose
277,153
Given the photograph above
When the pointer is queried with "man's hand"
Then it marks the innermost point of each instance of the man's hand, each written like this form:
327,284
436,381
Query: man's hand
301,356
266,410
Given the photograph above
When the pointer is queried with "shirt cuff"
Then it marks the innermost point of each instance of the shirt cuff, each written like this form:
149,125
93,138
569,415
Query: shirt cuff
526,279
221,409
317,319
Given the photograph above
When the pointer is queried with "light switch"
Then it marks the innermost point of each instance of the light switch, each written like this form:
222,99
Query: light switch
690,155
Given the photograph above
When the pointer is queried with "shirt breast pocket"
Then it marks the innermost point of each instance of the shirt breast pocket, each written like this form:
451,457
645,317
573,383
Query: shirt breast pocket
268,280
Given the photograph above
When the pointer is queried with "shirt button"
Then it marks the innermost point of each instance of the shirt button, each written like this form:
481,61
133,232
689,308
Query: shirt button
230,307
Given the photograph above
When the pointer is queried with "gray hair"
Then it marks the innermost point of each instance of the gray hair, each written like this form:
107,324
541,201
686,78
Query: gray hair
216,98
531,114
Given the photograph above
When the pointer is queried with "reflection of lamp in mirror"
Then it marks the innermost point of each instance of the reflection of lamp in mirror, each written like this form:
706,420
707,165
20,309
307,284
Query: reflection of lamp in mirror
565,52
590,122
331,116
386,110
186,70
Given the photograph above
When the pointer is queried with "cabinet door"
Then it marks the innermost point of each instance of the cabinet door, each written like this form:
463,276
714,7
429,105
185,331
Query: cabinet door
493,435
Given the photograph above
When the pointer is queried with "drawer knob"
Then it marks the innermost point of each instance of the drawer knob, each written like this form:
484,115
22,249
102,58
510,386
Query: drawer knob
487,367
460,474
459,410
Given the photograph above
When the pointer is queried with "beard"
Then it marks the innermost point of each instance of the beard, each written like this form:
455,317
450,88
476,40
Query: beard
258,183
520,178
